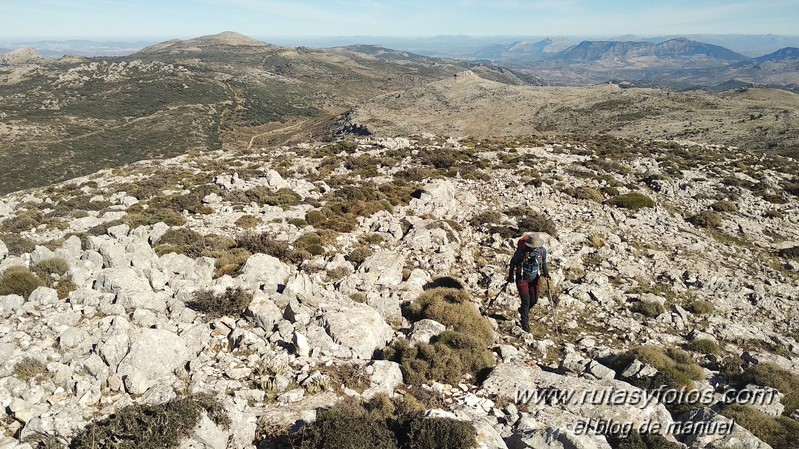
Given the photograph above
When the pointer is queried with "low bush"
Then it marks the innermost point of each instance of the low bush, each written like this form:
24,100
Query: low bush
771,375
22,222
192,203
338,273
706,219
265,195
453,308
701,307
724,206
779,431
459,350
703,346
675,365
528,221
358,255
229,262
789,253
636,440
17,245
263,243
231,303
152,216
773,213
649,309
586,193
50,270
384,423
486,217
310,242
64,287
30,368
150,426
247,222
632,201
19,281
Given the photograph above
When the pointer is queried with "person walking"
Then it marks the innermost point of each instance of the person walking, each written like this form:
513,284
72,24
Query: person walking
527,266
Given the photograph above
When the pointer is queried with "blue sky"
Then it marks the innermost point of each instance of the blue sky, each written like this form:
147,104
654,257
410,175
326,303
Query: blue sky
95,19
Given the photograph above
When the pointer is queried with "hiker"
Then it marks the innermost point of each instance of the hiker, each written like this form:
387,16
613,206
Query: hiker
527,265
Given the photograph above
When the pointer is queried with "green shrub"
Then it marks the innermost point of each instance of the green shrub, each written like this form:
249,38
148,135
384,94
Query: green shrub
610,191
649,309
347,425
30,368
773,213
636,440
632,201
586,193
789,253
358,297
439,433
776,431
22,222
706,219
192,244
454,309
486,217
152,216
382,423
150,426
46,270
263,243
265,195
704,346
701,307
247,222
231,303
724,206
64,287
675,365
229,262
771,375
310,242
19,281
17,245
528,221
191,203
358,255
459,350
338,273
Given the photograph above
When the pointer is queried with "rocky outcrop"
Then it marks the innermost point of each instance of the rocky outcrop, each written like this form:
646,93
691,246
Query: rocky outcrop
320,316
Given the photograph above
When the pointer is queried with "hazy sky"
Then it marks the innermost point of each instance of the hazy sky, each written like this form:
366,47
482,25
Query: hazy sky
262,18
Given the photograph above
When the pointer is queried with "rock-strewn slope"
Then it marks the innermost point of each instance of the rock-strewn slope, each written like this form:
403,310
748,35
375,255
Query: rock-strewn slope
329,244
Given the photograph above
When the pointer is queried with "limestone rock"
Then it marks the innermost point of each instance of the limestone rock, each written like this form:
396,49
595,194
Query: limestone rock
383,268
358,327
264,270
384,377
424,330
153,356
263,312
590,399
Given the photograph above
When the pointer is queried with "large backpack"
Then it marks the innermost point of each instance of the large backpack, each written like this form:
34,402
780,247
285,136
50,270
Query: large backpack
533,259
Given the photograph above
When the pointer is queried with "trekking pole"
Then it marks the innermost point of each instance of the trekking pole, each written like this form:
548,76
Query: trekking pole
554,306
491,303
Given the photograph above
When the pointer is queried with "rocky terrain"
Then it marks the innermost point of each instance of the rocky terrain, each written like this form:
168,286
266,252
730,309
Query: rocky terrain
232,297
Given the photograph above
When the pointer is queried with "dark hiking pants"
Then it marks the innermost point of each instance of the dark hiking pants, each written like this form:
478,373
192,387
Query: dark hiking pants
528,292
